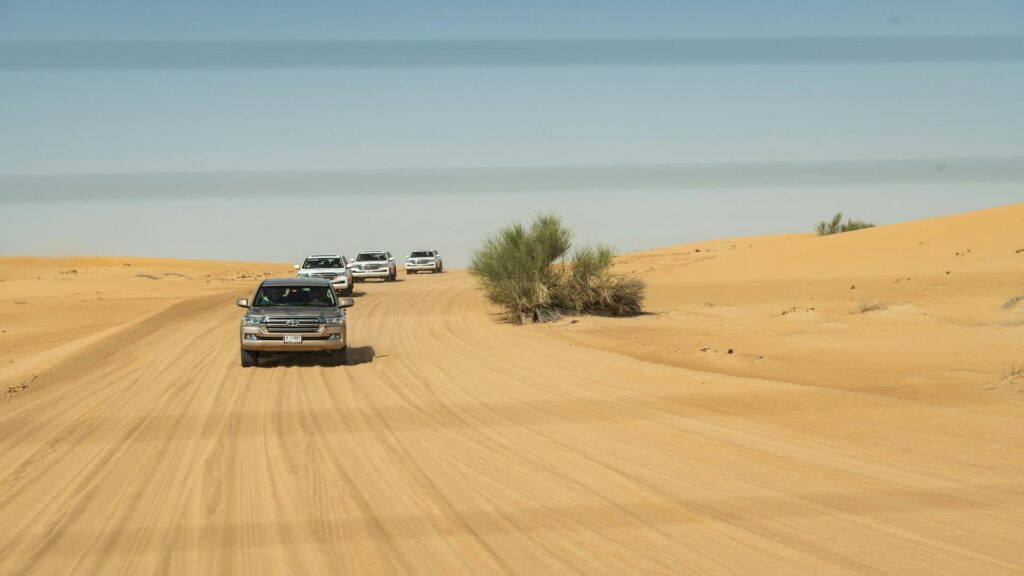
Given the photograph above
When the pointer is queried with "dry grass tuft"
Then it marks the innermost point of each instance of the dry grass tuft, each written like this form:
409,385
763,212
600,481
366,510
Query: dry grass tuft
871,306
1013,371
1013,302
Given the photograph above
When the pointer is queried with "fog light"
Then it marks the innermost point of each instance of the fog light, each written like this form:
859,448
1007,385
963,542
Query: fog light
251,337
334,337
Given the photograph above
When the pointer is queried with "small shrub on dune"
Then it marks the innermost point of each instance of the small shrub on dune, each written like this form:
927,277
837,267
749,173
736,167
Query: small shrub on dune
1013,371
837,226
525,269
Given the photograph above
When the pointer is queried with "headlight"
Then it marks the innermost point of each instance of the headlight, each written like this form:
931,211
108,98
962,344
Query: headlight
334,320
252,320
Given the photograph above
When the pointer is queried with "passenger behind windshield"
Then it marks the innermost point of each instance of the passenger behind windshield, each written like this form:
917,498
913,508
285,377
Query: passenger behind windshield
322,263
421,255
295,296
371,258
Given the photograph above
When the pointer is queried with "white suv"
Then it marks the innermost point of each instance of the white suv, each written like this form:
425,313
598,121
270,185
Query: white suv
423,260
375,264
334,268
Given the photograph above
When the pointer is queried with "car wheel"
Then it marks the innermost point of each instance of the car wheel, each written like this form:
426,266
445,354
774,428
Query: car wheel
348,290
250,358
408,272
339,357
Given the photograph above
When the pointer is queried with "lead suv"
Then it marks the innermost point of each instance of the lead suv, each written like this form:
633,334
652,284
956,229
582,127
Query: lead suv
294,315
375,264
423,260
332,267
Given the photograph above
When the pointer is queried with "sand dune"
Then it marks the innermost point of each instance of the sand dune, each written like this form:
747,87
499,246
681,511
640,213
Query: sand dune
831,441
924,310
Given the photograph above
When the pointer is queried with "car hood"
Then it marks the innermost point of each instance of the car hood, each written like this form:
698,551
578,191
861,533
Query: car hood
278,311
311,271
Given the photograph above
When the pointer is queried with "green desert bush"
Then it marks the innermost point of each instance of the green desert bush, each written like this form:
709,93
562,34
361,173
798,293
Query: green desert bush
836,225
526,269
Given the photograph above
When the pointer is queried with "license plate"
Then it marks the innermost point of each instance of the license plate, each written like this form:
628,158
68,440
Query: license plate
293,339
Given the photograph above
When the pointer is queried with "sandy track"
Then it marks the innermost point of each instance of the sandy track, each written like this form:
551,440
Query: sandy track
457,444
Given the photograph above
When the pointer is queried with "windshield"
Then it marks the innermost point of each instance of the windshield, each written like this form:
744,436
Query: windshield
421,255
320,296
322,263
371,257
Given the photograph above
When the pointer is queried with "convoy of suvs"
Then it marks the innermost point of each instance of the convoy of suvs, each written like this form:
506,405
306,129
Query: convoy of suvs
305,313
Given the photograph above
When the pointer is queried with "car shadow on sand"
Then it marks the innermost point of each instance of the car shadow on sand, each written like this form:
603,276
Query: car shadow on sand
356,355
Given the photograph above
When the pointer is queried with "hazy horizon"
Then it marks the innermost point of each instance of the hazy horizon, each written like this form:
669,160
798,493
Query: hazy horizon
263,132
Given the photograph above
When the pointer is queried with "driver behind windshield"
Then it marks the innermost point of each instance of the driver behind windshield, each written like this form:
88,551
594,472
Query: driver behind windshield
371,257
322,263
295,296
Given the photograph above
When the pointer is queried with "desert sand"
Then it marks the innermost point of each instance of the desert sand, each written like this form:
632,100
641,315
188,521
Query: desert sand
867,420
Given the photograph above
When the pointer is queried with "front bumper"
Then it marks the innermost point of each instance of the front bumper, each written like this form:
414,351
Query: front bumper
327,337
428,266
371,273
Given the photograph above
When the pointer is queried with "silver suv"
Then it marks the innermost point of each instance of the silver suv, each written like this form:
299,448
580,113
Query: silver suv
423,260
333,267
294,315
375,264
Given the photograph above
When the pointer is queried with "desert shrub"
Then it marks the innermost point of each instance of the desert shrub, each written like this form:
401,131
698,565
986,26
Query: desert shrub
1013,370
871,306
836,225
525,270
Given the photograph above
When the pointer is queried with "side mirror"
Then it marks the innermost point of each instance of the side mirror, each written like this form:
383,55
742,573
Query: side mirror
296,266
346,303
242,303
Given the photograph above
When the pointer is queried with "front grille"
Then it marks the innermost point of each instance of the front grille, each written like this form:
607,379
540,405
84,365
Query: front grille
302,324
324,275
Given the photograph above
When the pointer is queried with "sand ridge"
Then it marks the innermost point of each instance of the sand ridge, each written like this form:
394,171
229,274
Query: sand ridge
925,310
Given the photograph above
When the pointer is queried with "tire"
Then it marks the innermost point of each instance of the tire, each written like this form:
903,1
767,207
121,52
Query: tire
250,358
347,291
393,276
408,272
439,269
339,357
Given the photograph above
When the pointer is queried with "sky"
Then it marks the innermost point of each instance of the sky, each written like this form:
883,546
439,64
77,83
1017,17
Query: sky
268,130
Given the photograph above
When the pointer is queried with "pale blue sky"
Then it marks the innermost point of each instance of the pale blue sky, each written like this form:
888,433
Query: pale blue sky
164,122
